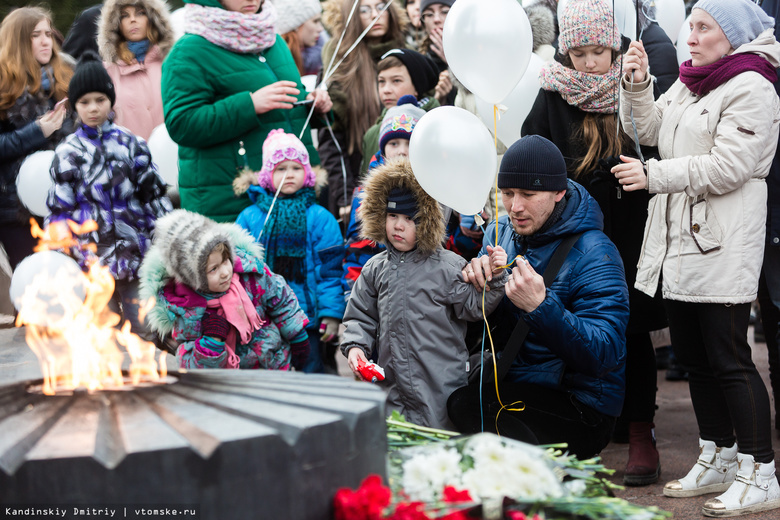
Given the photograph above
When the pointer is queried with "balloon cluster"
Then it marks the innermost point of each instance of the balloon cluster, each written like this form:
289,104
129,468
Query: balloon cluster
488,45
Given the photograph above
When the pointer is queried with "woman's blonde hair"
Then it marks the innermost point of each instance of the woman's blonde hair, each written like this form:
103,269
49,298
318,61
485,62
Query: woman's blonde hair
152,33
19,70
357,74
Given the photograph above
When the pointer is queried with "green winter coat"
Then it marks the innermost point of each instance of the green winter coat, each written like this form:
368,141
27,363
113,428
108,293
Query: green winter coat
209,112
371,139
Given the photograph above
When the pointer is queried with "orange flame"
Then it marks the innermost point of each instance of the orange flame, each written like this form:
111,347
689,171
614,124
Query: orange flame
79,346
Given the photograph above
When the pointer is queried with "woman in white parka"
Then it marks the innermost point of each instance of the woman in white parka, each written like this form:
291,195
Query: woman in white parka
716,130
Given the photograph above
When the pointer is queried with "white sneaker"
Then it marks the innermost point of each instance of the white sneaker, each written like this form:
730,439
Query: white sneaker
755,489
714,472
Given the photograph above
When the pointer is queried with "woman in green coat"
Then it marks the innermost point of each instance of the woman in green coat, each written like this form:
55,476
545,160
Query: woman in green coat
225,84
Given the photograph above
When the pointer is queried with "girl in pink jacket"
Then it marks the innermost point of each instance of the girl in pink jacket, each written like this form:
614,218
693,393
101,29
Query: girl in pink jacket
134,36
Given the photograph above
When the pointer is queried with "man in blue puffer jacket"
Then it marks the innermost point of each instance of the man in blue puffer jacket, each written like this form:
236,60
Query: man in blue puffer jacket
570,371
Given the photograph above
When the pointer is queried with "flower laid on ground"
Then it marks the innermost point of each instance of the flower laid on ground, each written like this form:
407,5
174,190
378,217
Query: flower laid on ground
442,477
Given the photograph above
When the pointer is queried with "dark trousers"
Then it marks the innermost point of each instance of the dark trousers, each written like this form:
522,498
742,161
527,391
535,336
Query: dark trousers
549,416
728,395
769,300
125,302
17,241
641,379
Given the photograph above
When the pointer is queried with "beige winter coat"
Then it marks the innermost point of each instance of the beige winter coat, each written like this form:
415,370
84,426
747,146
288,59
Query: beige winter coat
705,228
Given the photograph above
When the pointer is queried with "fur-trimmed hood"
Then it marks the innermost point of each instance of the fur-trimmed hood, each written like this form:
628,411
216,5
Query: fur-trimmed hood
154,274
373,210
108,38
542,24
247,178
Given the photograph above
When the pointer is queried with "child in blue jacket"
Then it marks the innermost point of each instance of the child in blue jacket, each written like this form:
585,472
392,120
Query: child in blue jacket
302,240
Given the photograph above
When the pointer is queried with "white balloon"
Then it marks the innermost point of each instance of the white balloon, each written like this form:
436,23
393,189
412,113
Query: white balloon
454,158
34,182
518,103
488,44
670,14
165,155
625,16
62,283
683,52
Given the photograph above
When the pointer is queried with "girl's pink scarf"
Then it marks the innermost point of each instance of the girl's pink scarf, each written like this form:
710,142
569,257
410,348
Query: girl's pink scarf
237,308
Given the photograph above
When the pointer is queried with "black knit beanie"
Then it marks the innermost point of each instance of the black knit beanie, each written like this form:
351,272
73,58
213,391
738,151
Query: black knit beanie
90,76
402,202
422,70
533,163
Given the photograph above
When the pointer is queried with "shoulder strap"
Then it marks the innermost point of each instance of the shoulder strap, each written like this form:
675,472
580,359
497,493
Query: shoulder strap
521,329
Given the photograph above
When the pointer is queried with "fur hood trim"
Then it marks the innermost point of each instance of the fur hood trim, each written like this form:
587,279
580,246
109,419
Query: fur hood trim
248,178
157,11
542,24
333,21
154,274
373,210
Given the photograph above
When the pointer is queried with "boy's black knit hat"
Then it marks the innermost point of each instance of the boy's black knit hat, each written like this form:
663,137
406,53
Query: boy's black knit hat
533,163
421,68
402,202
90,76
425,3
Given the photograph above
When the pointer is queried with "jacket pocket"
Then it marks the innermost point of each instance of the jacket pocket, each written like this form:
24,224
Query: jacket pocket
705,229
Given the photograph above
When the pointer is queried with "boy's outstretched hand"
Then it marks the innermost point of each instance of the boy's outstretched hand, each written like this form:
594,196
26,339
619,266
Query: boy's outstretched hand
481,270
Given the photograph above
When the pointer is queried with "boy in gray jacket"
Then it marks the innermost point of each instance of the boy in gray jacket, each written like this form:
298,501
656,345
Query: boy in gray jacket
409,306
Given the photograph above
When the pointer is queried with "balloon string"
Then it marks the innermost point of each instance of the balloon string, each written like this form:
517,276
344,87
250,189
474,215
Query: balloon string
495,143
521,404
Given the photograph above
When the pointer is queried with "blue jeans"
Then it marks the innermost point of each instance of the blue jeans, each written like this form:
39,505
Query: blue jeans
125,303
314,363
728,395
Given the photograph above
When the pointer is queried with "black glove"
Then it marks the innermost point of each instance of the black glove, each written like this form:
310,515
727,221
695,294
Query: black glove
215,326
300,353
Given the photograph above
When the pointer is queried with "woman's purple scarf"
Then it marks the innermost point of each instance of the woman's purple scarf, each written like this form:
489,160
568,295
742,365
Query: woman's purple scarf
700,80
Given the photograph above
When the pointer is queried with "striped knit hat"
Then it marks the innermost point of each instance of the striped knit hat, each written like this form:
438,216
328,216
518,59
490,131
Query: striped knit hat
587,22
399,121
279,147
186,240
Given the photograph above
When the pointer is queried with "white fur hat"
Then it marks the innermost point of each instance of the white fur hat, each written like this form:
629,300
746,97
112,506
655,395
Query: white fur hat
291,14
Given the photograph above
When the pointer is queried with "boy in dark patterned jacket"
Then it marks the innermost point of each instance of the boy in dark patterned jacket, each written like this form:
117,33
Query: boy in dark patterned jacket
104,173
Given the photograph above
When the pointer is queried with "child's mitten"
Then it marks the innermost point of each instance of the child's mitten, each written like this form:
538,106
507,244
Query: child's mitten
300,353
215,326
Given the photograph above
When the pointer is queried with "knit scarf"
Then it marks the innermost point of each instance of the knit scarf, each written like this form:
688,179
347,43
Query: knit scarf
236,32
239,311
284,235
701,80
139,49
589,92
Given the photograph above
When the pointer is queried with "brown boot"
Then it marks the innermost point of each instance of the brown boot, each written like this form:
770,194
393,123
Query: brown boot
644,466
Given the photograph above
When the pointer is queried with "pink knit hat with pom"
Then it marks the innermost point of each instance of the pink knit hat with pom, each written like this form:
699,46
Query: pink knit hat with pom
587,22
279,147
